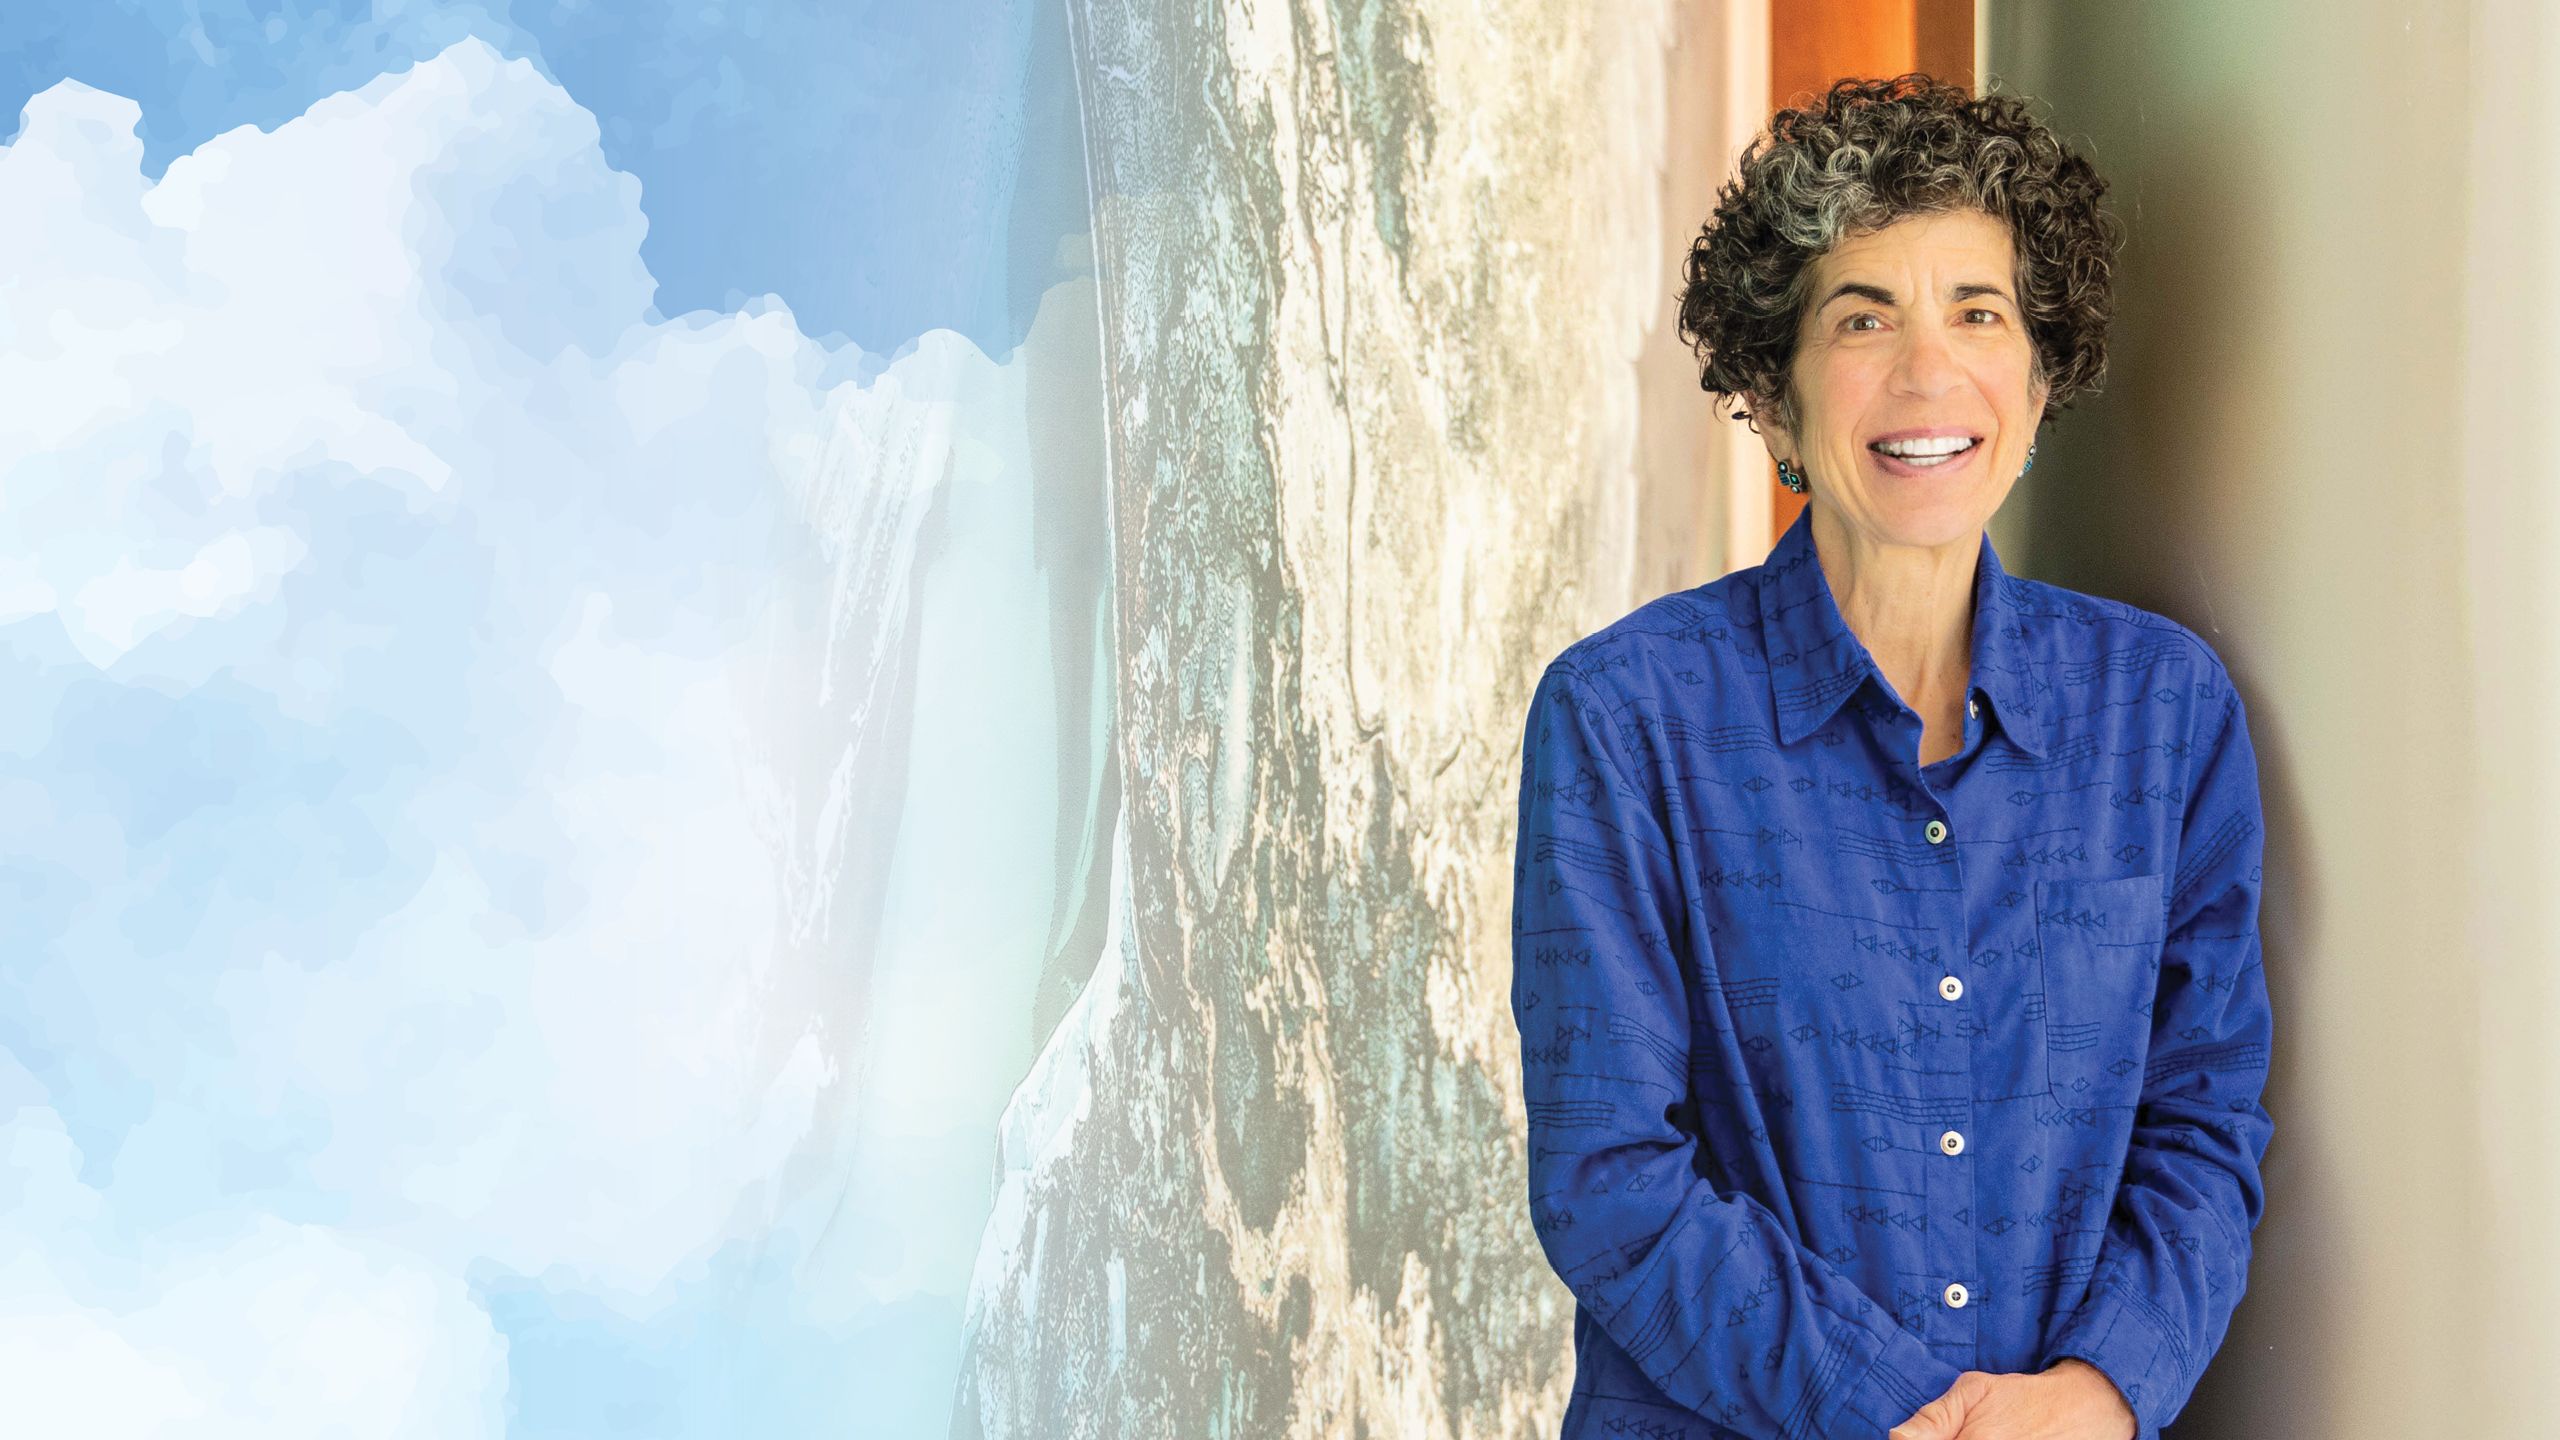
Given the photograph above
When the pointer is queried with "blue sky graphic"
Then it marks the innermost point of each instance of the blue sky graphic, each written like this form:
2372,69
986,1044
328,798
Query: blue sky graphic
885,167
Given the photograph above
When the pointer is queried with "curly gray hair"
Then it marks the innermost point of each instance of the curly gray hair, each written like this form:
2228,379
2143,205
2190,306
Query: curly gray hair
1865,154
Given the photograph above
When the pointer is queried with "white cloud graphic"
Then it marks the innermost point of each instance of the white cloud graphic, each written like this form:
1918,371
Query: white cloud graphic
428,790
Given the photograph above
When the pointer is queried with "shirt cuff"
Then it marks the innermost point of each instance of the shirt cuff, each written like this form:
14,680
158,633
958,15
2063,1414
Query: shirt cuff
1898,1378
2133,1349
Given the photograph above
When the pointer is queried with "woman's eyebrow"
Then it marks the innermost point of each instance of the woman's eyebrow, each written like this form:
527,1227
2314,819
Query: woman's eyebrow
1877,293
1882,296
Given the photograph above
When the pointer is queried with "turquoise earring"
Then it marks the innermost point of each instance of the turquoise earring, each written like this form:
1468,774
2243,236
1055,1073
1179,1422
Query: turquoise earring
2031,460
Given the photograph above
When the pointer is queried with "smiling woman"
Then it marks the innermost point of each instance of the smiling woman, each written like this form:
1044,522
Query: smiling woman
1897,271
1915,392
1885,930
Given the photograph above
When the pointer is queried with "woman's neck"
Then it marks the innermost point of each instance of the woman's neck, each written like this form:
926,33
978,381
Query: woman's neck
1911,606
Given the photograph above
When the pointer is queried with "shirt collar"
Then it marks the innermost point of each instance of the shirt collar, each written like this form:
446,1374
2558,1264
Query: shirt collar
1816,662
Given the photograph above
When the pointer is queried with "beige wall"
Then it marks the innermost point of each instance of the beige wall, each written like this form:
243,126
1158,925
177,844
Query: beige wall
2324,443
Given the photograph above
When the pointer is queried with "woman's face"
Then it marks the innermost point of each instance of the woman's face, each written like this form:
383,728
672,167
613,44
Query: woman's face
1913,333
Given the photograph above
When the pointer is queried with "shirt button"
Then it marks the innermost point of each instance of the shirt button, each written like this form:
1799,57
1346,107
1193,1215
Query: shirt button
1956,1295
1951,987
1936,832
1972,706
1952,1142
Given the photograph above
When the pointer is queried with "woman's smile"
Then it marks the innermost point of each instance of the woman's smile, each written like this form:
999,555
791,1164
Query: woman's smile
1931,456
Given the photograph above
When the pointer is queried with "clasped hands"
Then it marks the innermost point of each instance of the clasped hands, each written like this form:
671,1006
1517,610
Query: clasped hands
2070,1400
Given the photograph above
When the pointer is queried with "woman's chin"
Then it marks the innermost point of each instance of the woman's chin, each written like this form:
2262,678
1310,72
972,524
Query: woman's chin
1930,521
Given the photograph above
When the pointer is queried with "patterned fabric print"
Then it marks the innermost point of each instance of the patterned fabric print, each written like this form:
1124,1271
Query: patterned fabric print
1812,1034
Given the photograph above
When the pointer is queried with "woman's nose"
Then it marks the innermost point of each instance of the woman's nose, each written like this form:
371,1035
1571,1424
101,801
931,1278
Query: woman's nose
1927,365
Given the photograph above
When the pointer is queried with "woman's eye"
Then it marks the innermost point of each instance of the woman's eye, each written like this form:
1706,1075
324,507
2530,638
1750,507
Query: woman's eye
1993,314
1852,322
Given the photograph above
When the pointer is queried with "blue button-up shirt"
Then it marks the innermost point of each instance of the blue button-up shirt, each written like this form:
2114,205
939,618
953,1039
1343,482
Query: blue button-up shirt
1845,1073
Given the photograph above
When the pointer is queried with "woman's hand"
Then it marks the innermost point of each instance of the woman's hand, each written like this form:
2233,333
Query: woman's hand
2073,1400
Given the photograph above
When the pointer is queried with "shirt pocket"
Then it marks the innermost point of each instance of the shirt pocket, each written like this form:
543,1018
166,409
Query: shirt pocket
2098,955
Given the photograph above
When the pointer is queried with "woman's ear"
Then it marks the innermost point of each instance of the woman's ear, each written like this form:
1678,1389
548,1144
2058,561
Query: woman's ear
1773,432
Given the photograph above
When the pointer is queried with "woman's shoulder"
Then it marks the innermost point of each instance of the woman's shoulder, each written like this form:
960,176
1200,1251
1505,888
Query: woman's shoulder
2075,628
1678,645
2093,654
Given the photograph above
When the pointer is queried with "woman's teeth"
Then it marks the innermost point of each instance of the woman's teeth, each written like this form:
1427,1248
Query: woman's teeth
1924,453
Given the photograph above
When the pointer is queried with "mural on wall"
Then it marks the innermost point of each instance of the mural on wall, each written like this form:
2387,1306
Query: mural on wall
1371,281
799,719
